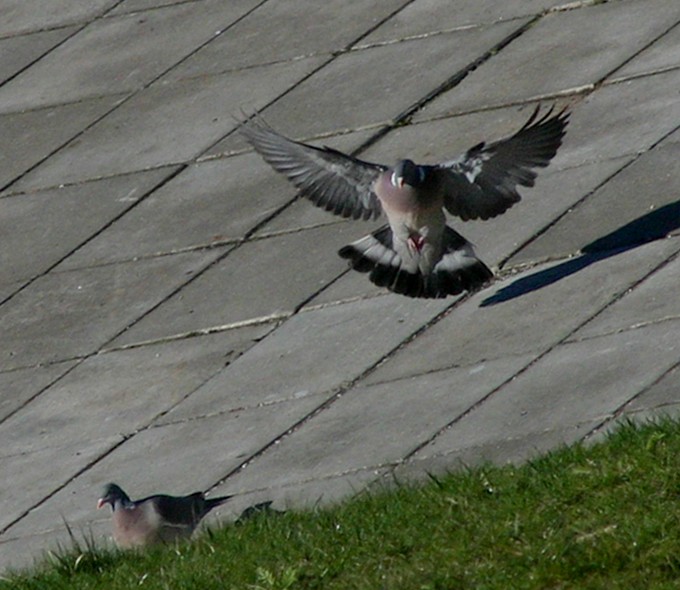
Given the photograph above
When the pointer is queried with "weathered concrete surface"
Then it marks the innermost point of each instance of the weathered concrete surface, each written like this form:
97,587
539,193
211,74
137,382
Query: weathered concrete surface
175,318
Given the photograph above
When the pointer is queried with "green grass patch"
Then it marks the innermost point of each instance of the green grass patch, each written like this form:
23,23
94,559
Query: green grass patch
605,516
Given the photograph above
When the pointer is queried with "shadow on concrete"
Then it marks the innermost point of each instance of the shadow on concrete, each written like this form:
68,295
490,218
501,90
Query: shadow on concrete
653,226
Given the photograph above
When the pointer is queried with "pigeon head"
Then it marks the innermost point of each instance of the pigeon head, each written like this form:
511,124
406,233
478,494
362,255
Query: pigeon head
407,172
113,494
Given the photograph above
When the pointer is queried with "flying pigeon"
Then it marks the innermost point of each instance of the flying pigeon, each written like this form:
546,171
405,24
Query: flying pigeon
416,253
158,518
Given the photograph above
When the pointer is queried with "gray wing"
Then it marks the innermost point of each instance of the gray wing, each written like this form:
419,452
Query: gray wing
330,179
482,183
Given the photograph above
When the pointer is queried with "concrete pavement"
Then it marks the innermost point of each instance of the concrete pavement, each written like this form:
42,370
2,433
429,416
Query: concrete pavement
174,318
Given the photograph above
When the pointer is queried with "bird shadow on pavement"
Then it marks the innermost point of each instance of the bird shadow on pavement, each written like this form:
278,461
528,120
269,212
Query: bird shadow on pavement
652,226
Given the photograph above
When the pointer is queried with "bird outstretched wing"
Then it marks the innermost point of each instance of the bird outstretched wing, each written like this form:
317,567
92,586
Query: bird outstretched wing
482,183
334,181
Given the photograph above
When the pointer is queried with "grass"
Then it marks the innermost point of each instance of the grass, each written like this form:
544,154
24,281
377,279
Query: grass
605,516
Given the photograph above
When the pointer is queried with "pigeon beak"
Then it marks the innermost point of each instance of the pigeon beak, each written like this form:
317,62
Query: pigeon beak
101,503
400,181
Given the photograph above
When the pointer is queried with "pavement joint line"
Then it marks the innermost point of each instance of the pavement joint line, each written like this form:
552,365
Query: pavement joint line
42,389
637,53
42,189
429,34
109,223
620,410
629,77
296,230
577,93
638,326
226,412
325,477
354,299
217,245
575,5
256,321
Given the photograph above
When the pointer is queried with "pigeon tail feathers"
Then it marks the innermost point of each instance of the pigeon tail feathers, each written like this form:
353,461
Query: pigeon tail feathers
458,270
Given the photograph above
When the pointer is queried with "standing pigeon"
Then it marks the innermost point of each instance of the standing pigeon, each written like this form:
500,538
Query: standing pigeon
416,253
159,518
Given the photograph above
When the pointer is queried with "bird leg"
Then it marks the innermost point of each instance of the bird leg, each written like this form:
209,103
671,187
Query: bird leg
416,242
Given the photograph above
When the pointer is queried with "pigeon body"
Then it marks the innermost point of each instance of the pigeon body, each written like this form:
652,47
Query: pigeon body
155,519
416,254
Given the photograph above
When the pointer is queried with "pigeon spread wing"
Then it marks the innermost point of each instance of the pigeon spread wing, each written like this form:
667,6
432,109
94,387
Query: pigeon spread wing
482,183
330,179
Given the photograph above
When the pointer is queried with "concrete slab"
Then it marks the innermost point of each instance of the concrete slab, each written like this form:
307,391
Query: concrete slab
40,225
21,17
661,55
308,495
21,51
673,137
314,351
261,278
639,204
220,443
19,387
650,301
36,474
499,452
602,129
352,434
662,395
368,86
137,135
131,391
502,320
575,383
264,35
119,54
28,138
60,316
423,17
577,47
207,204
